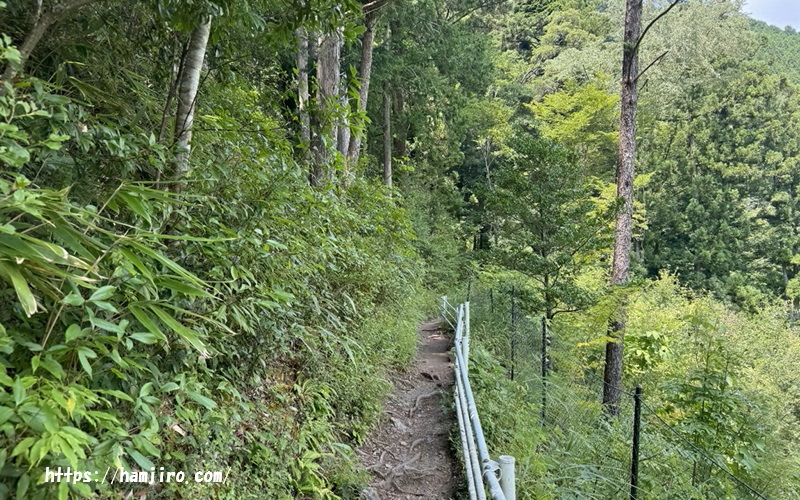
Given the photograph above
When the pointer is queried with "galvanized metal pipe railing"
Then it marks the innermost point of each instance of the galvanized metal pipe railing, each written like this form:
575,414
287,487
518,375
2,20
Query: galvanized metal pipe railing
447,315
471,464
479,467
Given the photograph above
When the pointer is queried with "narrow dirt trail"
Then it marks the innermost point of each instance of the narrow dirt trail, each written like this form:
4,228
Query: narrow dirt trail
409,454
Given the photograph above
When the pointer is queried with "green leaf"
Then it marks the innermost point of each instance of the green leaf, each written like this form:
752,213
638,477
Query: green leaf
202,400
137,263
181,287
169,263
148,323
103,293
144,444
52,366
73,299
23,446
140,459
73,332
117,394
136,205
19,392
84,354
105,325
26,298
145,390
22,485
169,386
185,333
144,337
5,414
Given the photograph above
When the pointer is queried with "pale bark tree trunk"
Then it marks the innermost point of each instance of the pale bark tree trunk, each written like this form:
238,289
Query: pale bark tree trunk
354,148
302,86
40,22
328,81
187,96
315,120
343,124
612,377
387,134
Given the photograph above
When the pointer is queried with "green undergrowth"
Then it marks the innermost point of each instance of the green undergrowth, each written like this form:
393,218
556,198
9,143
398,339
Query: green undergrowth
245,326
719,419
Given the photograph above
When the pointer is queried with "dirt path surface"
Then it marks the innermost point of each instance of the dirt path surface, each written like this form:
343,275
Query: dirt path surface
409,454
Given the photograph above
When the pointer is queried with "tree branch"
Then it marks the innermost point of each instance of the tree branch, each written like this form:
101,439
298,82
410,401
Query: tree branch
650,65
374,5
42,22
478,7
650,25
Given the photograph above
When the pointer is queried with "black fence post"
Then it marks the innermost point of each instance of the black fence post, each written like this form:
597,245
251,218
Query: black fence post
637,426
544,367
513,330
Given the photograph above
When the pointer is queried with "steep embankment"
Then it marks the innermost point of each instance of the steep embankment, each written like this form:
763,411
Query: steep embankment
409,454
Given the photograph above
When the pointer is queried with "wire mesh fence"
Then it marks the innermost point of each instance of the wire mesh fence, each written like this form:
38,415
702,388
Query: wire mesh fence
588,454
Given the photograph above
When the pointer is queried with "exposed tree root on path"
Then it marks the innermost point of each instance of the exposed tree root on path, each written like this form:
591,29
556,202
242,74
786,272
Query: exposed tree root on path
409,454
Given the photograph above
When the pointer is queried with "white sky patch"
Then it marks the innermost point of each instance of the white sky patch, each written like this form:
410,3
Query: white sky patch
780,13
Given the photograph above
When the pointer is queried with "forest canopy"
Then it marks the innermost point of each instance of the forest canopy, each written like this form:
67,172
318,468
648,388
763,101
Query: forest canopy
220,222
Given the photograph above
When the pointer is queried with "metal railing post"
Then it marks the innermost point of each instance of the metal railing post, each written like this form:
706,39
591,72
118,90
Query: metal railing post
637,426
466,335
507,477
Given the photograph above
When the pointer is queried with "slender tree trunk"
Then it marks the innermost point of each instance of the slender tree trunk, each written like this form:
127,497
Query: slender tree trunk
354,148
187,96
401,129
612,388
387,134
41,21
175,78
342,123
328,81
316,122
302,87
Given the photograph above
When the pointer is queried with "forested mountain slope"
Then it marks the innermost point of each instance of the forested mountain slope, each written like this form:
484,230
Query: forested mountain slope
221,221
779,48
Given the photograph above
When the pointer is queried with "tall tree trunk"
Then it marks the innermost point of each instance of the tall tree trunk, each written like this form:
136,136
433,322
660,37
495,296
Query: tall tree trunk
365,72
328,81
187,96
302,87
342,123
612,377
315,127
401,128
40,22
387,134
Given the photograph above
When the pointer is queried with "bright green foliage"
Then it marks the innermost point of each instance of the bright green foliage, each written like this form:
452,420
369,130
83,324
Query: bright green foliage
545,218
95,300
247,324
244,326
584,119
708,372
